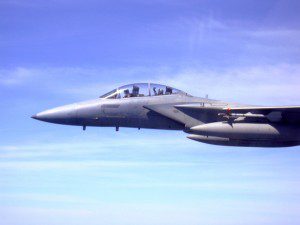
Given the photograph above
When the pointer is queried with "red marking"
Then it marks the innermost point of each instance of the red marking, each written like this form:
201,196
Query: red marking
228,110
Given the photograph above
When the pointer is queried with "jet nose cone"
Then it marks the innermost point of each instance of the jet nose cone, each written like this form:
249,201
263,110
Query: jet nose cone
34,117
62,115
44,116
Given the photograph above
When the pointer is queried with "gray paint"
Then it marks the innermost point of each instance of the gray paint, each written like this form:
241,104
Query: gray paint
208,121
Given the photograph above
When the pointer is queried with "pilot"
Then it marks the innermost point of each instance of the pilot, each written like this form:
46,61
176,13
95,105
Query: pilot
126,93
154,90
168,90
135,91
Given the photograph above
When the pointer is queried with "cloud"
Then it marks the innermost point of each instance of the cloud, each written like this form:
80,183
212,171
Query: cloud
264,84
17,76
259,84
273,33
78,165
148,213
38,197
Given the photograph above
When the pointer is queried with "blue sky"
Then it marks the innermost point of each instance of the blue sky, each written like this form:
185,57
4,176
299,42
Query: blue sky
58,52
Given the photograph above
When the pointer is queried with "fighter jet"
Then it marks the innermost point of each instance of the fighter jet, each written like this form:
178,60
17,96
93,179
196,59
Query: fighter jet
156,106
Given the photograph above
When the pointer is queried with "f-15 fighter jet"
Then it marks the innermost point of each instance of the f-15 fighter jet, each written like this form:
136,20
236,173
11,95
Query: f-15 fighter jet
155,106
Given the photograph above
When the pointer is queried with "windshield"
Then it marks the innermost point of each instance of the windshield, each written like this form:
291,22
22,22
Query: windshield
141,90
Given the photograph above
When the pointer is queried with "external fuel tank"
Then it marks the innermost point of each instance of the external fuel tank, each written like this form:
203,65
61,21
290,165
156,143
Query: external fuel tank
251,131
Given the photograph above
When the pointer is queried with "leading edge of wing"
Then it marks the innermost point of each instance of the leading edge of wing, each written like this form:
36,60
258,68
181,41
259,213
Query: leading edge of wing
239,108
266,108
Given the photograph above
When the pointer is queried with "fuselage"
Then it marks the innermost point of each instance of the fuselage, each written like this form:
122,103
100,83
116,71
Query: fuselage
127,112
122,108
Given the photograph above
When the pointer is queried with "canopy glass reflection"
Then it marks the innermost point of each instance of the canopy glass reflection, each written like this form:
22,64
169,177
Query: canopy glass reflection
141,90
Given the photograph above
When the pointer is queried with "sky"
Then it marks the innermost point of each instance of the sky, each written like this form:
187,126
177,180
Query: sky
58,52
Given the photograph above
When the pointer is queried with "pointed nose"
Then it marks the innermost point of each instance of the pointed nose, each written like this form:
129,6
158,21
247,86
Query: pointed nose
63,115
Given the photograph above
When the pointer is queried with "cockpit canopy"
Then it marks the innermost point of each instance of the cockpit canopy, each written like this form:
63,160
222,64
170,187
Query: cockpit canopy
141,90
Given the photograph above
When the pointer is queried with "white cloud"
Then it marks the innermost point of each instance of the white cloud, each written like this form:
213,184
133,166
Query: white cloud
78,165
274,33
259,84
37,197
16,76
265,84
230,211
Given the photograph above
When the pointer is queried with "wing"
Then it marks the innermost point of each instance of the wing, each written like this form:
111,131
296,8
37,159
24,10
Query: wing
290,114
265,109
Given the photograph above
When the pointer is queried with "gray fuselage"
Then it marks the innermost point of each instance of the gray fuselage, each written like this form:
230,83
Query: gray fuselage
206,120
